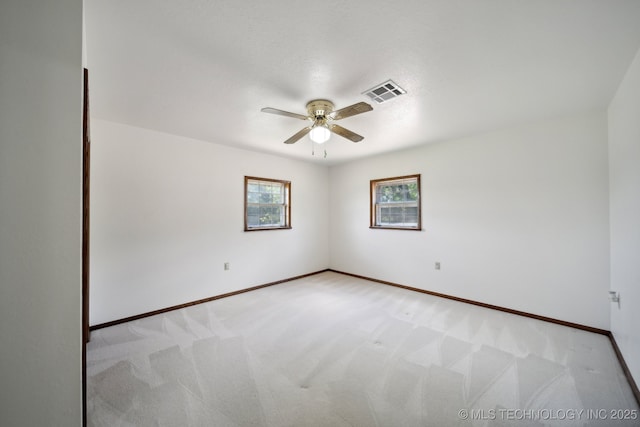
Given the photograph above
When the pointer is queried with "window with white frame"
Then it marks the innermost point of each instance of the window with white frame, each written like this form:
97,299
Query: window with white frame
267,204
395,203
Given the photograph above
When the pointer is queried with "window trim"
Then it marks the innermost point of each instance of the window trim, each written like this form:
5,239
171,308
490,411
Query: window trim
372,203
287,204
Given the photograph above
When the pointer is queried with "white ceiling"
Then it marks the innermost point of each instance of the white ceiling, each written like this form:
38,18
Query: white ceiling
204,69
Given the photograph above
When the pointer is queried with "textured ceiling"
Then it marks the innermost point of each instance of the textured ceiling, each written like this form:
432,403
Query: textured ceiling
204,69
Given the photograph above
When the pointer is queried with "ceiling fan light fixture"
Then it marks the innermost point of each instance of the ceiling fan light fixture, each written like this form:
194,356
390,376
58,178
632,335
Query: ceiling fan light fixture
320,134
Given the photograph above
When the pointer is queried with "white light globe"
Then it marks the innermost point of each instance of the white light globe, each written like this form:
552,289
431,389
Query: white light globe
320,134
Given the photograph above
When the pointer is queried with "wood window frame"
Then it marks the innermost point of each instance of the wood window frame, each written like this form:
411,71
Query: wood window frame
373,220
287,204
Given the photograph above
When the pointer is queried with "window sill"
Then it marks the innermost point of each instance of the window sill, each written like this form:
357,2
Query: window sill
267,228
379,227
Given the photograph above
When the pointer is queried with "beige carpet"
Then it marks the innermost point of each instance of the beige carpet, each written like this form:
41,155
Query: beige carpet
332,350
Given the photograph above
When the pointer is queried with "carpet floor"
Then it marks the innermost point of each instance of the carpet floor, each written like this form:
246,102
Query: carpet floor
333,350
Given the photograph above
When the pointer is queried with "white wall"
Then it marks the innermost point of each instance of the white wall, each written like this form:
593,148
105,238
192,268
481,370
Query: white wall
518,218
168,211
624,181
40,213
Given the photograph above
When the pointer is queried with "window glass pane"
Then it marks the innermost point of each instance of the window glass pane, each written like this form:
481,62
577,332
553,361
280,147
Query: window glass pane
411,215
253,197
383,215
269,215
412,193
253,216
395,215
265,198
397,192
395,219
398,215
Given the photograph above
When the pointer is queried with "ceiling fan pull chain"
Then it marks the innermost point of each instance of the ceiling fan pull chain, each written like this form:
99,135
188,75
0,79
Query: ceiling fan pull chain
325,154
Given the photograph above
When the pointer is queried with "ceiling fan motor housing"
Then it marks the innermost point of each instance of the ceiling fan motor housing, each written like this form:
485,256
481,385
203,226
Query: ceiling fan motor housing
319,108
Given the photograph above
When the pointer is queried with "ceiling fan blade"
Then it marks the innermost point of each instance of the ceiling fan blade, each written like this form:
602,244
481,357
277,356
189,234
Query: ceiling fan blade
346,133
351,110
284,113
298,135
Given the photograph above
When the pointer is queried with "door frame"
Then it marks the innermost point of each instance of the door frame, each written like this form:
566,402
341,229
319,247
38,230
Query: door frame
86,162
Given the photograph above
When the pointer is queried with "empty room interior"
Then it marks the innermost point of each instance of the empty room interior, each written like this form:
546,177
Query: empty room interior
342,213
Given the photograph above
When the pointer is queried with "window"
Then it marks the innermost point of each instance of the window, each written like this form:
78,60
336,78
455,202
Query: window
267,204
395,203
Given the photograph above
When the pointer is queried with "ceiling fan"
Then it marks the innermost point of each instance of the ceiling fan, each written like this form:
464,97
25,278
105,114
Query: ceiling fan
322,114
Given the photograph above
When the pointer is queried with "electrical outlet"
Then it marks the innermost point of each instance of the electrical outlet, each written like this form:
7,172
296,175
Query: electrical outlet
437,265
227,266
614,296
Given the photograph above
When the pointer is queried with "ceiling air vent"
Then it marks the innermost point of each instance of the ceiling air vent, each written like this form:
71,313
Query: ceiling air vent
384,92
